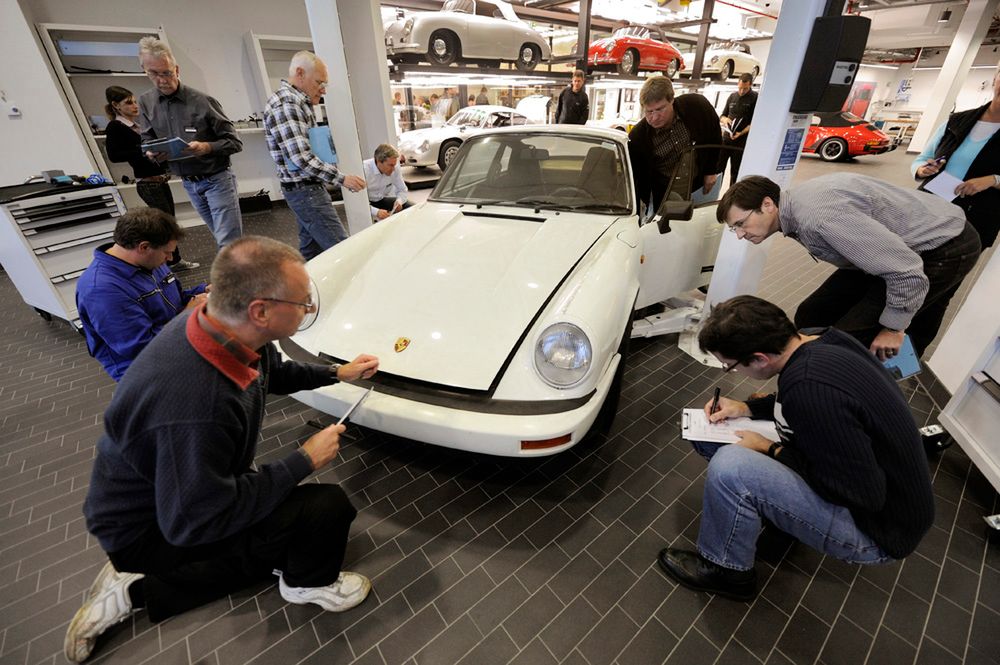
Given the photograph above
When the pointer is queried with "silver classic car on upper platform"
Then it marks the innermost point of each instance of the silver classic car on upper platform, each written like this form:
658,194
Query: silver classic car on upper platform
486,32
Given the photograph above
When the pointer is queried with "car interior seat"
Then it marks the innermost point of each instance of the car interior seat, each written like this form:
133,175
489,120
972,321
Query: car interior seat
599,175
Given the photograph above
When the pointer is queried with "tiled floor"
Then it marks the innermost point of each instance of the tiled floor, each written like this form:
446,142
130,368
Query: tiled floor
482,560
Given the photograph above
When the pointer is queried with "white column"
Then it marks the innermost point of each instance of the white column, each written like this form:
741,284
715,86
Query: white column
965,46
339,28
775,132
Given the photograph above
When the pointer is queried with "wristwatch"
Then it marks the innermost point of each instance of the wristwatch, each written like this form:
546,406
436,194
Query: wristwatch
334,368
772,450
996,180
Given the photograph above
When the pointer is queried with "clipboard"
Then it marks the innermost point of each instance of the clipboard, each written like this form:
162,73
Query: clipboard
350,410
695,427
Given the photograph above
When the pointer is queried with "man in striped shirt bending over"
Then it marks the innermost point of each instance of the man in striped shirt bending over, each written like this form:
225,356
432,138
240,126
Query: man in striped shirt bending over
901,254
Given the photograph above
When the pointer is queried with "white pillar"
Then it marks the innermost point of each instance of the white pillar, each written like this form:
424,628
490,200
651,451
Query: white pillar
339,28
971,31
776,132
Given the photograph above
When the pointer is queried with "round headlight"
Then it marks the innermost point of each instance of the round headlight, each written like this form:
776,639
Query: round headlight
563,355
423,146
311,312
714,60
407,28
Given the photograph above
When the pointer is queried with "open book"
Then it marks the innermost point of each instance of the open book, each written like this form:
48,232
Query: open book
695,427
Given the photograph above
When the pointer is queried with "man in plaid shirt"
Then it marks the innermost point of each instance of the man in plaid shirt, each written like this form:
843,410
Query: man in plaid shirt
288,118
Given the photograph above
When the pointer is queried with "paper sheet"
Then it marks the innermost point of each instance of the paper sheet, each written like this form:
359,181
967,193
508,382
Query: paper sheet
943,184
695,427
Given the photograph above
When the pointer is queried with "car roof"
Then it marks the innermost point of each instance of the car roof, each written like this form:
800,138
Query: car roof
585,130
490,108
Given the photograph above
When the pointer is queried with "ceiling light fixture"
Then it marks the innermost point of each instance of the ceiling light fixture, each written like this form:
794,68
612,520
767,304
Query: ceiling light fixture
945,16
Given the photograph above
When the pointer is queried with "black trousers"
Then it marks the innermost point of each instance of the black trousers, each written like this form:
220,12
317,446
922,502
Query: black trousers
158,195
305,538
733,153
852,300
387,203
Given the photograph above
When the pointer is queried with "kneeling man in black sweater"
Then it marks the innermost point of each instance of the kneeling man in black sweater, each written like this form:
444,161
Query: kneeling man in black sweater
849,476
175,500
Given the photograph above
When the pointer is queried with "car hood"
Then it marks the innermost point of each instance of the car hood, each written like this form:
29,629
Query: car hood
461,289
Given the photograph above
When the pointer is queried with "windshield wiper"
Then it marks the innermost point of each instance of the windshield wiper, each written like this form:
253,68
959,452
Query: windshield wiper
605,207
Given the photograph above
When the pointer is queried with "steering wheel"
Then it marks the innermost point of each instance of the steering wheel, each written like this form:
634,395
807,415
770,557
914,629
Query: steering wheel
572,190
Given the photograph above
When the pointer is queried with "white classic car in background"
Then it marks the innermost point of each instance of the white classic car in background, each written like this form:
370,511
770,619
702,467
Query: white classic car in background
725,59
439,145
487,32
501,308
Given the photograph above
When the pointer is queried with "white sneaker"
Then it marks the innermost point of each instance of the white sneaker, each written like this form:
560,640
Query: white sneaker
348,591
105,604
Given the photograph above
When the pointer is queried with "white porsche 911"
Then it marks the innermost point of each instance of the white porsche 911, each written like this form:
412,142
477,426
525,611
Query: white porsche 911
501,308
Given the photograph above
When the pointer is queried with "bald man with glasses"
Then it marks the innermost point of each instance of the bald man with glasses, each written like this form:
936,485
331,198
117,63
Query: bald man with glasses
901,254
176,499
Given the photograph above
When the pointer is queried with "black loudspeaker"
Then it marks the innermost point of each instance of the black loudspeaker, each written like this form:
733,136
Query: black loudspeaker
831,63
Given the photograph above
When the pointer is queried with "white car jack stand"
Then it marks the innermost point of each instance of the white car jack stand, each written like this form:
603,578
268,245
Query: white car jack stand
682,315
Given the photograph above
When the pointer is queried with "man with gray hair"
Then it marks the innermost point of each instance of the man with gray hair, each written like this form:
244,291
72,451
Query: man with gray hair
175,499
387,193
172,110
288,117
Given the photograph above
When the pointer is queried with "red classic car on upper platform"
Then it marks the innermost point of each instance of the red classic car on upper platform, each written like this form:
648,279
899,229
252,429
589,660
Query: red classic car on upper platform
633,48
840,135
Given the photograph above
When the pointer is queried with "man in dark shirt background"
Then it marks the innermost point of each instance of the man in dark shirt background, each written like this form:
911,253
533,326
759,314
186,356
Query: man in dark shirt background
573,107
171,110
736,118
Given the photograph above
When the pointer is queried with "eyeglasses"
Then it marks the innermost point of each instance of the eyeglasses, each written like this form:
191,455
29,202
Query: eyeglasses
308,307
160,75
731,367
738,224
657,111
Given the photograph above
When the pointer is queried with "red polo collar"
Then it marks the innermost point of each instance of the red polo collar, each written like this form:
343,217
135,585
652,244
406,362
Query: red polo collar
219,346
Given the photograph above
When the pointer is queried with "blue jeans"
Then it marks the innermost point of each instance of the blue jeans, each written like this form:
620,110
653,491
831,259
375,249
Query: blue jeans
743,486
319,226
218,202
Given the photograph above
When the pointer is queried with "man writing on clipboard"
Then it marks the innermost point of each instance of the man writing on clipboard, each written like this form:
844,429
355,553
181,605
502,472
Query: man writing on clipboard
848,476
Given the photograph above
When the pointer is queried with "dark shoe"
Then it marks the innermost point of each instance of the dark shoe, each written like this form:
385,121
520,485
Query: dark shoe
184,265
691,570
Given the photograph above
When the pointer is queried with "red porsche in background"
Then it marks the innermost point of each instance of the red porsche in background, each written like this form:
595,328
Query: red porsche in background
633,48
841,135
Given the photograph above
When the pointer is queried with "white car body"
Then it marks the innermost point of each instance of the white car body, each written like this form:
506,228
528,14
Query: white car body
438,145
455,295
717,57
482,37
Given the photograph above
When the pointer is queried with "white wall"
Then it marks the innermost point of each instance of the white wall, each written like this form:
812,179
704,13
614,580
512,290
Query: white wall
45,136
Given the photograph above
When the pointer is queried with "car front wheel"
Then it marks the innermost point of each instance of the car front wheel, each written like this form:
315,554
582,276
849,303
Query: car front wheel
528,57
755,72
672,68
629,66
448,151
833,150
727,70
444,48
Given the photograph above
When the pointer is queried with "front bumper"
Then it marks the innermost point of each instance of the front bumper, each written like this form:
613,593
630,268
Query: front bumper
474,431
410,156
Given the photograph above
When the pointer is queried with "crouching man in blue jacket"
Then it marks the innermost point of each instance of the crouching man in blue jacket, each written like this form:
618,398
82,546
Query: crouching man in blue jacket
128,293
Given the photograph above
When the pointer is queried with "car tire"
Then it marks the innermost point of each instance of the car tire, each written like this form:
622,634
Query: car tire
726,71
448,151
755,73
629,66
832,150
528,57
443,48
673,67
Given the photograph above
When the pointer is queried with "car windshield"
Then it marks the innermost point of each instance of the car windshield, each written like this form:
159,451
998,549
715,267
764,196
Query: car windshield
539,170
468,118
466,6
632,31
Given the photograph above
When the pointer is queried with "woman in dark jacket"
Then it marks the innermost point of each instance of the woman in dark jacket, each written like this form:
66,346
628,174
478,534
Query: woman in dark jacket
967,146
122,143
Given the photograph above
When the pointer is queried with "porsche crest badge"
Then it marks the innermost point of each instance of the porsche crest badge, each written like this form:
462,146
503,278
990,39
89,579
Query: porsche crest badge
402,343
